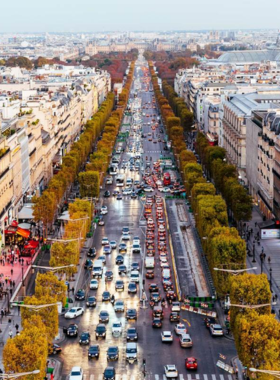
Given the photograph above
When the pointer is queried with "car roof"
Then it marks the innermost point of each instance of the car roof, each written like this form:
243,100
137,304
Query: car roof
171,366
76,368
166,332
217,326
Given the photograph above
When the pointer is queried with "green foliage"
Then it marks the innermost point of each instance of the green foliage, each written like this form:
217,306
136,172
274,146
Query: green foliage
89,184
22,62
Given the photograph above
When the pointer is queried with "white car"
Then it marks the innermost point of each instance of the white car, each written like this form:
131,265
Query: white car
148,189
94,284
166,190
105,241
113,244
103,210
166,336
76,373
180,329
136,240
170,371
160,188
117,328
119,306
176,307
74,312
127,191
216,330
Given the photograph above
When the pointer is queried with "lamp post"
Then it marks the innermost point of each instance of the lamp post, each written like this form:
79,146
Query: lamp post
270,278
38,307
254,256
17,375
235,272
252,307
262,260
52,269
266,371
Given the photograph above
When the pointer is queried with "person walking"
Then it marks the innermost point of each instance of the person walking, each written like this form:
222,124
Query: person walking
12,272
268,259
10,334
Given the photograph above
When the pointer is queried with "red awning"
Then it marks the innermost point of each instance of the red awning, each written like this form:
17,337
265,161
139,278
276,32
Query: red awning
10,230
22,232
32,244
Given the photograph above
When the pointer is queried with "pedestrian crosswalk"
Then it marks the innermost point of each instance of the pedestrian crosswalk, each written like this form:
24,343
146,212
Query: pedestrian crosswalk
150,376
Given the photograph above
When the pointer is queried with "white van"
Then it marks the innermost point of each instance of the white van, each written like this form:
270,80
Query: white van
134,276
149,262
97,269
166,274
131,352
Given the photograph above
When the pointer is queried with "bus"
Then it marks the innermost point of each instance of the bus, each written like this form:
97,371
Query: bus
166,179
120,180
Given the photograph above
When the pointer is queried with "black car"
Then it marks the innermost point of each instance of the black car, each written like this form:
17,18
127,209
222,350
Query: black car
100,331
91,252
132,288
122,269
91,301
80,295
56,349
109,275
84,338
153,288
131,334
131,314
88,264
104,316
106,296
171,295
71,330
119,285
209,321
94,351
135,266
113,353
109,373
157,322
107,194
174,317
155,297
119,197
119,260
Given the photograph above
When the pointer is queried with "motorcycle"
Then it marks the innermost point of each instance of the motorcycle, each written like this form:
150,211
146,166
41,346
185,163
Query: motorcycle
112,300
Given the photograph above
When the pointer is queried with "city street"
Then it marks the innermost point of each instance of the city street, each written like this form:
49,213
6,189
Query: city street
128,212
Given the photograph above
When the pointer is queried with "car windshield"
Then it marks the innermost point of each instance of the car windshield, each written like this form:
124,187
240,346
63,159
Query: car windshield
75,373
116,324
112,350
72,310
109,372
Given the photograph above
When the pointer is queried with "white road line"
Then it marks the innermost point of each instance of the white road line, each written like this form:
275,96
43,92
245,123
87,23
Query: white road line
189,377
156,377
181,377
229,377
205,377
164,377
197,377
213,377
222,377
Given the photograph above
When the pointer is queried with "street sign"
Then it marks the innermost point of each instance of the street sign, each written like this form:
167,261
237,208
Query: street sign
225,366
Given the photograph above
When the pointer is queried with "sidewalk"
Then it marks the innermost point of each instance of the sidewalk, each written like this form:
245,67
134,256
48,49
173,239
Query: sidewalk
271,250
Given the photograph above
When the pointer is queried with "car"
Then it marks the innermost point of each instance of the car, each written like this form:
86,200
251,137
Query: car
176,307
103,259
104,210
185,340
150,274
100,331
119,259
125,236
105,241
170,371
216,330
113,244
166,336
133,195
127,191
148,189
107,194
103,316
74,312
119,306
131,334
122,269
109,373
180,328
209,320
80,295
106,296
91,301
136,248
122,248
88,264
191,363
131,314
109,275
119,285
85,338
101,221
56,349
166,190
153,288
174,317
135,266
119,197
93,284
155,297
107,249
168,286
91,252
94,351
132,288
157,322
71,330
76,373
113,353
117,328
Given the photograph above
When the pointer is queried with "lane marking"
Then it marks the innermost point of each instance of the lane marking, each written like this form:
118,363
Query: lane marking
197,376
213,377
185,320
205,377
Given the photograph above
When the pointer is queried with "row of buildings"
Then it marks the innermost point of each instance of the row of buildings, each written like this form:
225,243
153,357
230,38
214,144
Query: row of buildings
41,114
236,103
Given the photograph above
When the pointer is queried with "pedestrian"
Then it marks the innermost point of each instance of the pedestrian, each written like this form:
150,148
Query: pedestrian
11,291
14,283
2,313
10,334
12,272
5,312
273,298
73,289
6,280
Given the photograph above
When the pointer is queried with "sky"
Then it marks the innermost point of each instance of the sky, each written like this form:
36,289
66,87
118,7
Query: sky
130,15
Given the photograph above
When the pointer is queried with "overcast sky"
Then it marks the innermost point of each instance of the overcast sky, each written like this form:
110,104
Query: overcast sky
128,15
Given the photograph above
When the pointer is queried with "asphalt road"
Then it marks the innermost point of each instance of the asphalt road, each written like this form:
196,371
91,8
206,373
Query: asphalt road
128,212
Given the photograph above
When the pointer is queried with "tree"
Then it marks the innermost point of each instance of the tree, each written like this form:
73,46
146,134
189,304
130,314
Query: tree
44,209
201,189
63,254
49,284
249,289
27,351
89,184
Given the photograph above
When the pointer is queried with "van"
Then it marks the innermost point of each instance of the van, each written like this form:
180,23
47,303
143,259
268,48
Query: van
186,340
149,262
166,274
131,352
134,276
97,269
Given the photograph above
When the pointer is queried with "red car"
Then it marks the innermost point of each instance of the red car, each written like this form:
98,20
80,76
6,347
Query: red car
191,363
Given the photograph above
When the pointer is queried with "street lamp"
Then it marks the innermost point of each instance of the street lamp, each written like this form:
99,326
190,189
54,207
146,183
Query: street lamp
262,260
250,306
52,269
254,256
266,371
270,278
235,272
38,307
16,375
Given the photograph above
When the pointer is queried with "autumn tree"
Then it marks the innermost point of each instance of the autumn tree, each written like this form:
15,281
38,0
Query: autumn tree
48,284
44,208
89,184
